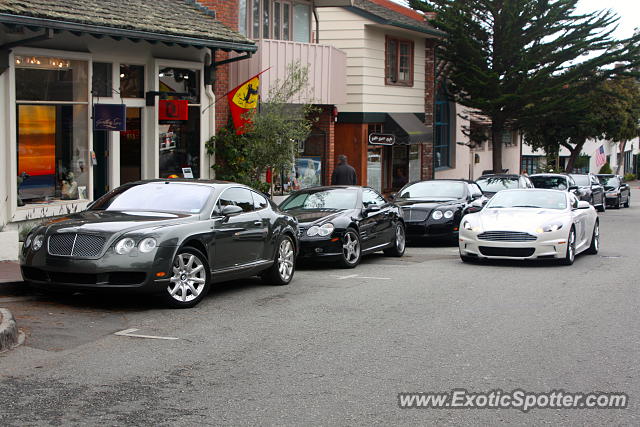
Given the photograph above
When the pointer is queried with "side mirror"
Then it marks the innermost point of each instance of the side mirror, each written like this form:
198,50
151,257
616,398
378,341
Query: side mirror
393,196
574,188
371,209
582,204
474,209
231,210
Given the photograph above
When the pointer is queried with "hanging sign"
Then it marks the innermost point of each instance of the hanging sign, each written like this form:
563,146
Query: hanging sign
170,110
110,117
382,139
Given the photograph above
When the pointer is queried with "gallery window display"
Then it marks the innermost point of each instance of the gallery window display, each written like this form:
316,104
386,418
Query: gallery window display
52,128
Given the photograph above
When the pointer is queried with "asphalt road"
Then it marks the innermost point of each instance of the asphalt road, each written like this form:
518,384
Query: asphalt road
337,346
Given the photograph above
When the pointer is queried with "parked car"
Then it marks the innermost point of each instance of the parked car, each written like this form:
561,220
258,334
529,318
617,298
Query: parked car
171,237
343,223
531,224
617,192
590,190
490,184
555,181
433,209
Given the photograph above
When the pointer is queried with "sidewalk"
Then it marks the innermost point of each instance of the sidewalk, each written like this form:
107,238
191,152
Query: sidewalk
9,272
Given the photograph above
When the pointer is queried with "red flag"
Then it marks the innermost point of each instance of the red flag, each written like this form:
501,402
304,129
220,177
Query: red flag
242,99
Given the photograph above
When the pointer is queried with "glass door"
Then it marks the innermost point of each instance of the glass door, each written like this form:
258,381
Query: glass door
374,168
131,147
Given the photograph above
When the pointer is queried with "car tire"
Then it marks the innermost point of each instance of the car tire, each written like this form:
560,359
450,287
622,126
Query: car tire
284,263
351,249
191,279
399,242
602,207
618,202
628,202
595,240
570,254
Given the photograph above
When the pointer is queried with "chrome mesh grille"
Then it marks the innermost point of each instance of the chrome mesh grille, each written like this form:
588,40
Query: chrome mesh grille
72,244
507,236
414,215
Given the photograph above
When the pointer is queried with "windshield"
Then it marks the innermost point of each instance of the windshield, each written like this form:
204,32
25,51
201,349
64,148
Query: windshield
528,199
550,182
433,190
582,180
609,181
493,184
156,196
326,199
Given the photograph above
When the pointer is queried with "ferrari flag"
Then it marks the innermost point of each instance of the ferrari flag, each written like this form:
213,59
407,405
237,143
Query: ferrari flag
242,99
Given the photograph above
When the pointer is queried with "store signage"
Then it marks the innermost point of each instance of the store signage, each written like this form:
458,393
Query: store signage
382,139
173,110
110,117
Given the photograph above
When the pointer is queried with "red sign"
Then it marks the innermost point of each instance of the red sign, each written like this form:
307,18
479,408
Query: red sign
173,109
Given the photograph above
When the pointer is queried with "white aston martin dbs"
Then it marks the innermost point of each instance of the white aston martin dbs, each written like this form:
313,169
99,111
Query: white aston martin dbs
530,224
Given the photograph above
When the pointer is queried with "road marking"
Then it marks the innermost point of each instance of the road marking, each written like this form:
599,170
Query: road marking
128,333
353,276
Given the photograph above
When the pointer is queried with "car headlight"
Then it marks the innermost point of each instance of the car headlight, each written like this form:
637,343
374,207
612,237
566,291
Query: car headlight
550,228
448,214
324,230
147,245
468,226
27,241
124,246
437,215
37,242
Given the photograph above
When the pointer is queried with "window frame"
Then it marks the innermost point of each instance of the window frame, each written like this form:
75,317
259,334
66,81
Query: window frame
290,21
387,77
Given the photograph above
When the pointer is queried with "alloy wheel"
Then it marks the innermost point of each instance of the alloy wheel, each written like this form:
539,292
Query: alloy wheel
189,278
351,247
285,260
400,238
572,245
596,237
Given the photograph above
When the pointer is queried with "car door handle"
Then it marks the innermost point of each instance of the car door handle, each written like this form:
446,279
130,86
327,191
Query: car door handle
257,222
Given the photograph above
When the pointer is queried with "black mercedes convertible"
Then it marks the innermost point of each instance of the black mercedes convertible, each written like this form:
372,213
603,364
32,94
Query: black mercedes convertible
342,223
433,209
171,237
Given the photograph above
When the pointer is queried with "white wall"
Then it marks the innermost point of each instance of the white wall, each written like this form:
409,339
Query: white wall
364,43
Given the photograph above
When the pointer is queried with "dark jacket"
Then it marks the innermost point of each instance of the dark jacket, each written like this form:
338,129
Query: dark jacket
343,174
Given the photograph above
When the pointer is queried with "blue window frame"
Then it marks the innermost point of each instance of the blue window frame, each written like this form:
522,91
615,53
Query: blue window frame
442,143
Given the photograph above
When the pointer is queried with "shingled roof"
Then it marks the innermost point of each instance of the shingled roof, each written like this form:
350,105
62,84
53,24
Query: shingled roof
170,21
388,13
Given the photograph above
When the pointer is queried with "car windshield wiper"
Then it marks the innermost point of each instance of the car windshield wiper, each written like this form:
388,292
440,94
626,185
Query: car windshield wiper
527,206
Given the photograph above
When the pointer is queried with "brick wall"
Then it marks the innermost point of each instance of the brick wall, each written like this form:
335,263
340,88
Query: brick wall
227,13
326,124
429,106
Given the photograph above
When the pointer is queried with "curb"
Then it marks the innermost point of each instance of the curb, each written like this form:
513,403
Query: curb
10,337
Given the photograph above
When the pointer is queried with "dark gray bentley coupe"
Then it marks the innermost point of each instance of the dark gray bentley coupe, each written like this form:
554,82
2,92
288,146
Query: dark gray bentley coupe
172,237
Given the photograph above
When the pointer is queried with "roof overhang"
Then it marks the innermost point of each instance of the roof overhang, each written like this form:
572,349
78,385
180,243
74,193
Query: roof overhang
120,33
383,21
332,3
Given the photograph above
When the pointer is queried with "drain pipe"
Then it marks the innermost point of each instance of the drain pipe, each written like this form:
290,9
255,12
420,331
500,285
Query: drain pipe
315,16
208,90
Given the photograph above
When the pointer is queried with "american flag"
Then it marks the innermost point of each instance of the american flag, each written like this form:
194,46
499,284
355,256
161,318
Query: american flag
601,158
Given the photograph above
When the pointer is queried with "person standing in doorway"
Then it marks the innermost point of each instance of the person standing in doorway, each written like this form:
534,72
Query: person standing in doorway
344,173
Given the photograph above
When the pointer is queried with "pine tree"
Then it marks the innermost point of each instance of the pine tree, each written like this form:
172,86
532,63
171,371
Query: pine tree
510,58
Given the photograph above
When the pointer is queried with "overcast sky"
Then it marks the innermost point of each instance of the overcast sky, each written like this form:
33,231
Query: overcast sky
628,10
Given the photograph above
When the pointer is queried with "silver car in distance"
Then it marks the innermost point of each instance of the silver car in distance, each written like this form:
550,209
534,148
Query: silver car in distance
530,224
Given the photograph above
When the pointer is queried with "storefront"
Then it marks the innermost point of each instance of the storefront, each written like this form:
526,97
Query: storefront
386,152
85,110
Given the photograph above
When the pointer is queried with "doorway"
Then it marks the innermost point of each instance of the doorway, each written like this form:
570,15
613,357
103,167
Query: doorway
101,168
131,147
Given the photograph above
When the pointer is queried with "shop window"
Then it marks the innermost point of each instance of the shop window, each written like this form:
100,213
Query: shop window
180,146
131,81
52,137
399,62
374,168
180,80
415,165
400,167
131,147
102,79
442,142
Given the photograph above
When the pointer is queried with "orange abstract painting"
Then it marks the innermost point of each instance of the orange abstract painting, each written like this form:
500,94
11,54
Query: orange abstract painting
36,139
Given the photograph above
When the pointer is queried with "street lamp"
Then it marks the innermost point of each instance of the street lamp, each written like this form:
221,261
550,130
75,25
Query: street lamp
470,145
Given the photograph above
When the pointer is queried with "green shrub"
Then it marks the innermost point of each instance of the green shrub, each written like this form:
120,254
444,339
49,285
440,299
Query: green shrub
629,177
605,169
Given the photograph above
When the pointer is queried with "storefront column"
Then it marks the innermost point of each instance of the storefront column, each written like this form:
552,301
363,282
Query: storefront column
150,144
4,147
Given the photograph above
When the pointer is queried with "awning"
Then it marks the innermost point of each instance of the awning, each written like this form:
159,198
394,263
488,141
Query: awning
407,128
